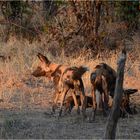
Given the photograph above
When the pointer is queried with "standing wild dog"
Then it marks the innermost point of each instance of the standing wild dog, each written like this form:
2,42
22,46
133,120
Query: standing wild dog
103,79
54,71
71,80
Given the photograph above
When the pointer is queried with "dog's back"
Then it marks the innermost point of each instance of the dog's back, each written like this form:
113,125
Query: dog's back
103,71
103,79
72,77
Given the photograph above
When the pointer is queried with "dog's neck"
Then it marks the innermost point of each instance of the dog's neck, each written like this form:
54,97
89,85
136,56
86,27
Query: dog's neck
57,70
53,66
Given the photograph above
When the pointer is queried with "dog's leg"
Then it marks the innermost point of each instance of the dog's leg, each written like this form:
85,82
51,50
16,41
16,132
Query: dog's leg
128,109
83,99
55,101
94,107
105,97
122,112
62,100
103,104
75,101
66,107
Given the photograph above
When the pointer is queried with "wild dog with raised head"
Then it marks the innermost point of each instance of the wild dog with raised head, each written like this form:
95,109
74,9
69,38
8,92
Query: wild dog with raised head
55,71
103,79
50,70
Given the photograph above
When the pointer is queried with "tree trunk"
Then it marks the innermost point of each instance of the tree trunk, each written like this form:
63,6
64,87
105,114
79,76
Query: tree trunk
110,131
97,14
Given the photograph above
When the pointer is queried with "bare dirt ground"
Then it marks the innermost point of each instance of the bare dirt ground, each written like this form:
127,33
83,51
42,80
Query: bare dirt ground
26,114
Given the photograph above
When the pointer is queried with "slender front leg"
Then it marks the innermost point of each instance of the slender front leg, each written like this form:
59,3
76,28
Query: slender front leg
83,98
105,89
67,107
62,99
94,107
105,96
75,101
103,104
55,101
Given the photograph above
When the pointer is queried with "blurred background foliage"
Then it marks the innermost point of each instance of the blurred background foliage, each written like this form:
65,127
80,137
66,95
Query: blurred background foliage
98,25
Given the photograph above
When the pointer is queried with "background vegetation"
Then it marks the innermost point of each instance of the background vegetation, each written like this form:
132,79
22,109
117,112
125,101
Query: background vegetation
95,25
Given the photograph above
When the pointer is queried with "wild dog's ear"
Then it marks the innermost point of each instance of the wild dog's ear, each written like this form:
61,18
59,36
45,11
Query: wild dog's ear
43,58
130,91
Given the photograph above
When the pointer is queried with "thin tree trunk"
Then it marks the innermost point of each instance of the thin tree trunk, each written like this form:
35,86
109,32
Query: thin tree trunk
111,125
97,14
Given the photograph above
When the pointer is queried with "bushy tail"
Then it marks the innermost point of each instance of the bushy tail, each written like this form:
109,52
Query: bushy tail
79,72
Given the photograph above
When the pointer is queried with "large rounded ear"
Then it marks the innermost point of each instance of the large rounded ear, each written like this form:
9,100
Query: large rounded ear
130,91
43,58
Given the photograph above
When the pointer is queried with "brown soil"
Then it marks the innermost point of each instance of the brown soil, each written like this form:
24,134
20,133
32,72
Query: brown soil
27,115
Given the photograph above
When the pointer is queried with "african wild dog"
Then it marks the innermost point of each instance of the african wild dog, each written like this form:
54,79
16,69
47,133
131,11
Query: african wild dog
71,80
50,70
125,106
125,103
103,79
55,71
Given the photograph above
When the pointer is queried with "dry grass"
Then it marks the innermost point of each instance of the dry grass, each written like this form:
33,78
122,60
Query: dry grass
26,98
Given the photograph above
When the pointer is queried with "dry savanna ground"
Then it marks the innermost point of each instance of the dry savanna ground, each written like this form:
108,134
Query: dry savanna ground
24,111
